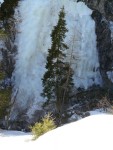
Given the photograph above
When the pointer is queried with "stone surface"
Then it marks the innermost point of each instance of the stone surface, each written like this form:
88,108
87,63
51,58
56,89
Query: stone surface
102,15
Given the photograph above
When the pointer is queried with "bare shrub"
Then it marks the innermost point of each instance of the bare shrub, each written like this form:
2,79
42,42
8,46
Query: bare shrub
104,103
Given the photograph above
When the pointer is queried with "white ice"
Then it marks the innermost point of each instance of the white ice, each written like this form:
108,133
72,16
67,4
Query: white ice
37,20
1,1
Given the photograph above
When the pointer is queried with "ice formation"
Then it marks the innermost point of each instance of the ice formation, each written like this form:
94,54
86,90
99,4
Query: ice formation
37,21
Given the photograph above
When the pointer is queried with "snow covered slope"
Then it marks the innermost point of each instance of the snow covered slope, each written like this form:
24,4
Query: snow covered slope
37,21
92,133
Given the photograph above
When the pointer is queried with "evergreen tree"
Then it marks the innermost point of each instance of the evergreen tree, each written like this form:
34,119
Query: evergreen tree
57,80
7,9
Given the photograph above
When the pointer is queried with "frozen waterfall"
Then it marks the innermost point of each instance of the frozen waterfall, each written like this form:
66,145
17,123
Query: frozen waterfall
33,40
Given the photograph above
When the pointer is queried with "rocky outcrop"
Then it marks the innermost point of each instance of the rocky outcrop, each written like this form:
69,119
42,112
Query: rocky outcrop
105,7
108,6
103,14
104,46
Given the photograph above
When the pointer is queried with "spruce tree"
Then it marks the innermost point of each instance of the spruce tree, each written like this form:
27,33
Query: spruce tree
57,80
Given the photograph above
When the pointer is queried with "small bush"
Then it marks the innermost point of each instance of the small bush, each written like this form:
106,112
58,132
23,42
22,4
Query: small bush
47,123
2,75
5,96
2,34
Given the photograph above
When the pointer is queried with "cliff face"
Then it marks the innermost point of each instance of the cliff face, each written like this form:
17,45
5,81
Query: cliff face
105,7
103,16
31,56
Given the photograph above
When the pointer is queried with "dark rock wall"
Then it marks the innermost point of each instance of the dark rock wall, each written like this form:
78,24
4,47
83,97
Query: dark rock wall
105,7
102,15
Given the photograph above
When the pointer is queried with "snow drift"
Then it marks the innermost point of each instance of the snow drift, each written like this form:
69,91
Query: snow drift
92,133
37,21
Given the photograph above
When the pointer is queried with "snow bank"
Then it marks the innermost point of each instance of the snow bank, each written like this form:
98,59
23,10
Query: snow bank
92,133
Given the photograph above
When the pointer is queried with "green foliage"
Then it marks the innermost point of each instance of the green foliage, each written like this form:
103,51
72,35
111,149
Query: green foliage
2,34
5,96
2,75
8,33
55,78
46,124
8,8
